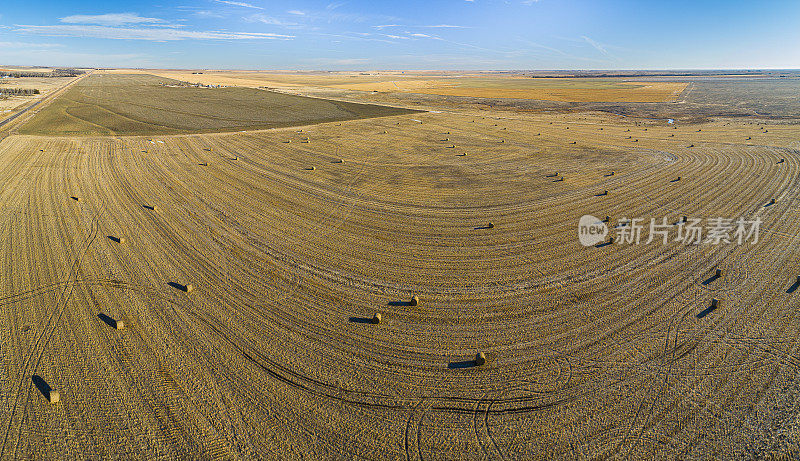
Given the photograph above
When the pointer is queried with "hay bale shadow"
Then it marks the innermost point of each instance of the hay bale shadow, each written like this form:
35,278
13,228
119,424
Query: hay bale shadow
462,364
706,311
179,286
108,320
113,239
794,287
711,279
42,385
149,207
361,320
399,303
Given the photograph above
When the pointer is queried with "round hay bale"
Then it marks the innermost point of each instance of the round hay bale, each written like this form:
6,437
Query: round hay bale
490,225
312,168
189,288
121,240
414,300
480,359
119,325
54,396
376,319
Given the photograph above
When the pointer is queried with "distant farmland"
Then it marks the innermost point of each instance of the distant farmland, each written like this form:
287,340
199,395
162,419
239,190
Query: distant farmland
145,104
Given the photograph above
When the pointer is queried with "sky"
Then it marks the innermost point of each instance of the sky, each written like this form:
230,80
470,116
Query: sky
403,35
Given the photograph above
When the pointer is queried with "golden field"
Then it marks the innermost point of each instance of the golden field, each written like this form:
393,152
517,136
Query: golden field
591,351
465,85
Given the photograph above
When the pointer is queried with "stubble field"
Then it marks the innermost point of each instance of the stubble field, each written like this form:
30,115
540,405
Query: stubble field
601,351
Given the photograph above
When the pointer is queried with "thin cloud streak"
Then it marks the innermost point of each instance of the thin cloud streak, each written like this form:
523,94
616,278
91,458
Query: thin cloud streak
152,34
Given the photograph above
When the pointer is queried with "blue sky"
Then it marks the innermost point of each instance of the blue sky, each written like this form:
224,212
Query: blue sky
413,34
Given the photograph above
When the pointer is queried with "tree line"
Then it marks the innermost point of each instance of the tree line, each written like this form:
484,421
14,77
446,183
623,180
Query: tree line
54,73
19,91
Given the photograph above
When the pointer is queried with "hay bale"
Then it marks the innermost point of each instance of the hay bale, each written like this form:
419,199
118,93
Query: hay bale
312,168
610,240
119,324
715,303
236,158
480,359
121,240
376,319
414,300
718,273
490,225
54,396
188,288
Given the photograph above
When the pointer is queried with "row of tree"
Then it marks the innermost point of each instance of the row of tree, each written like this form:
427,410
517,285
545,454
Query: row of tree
54,73
19,91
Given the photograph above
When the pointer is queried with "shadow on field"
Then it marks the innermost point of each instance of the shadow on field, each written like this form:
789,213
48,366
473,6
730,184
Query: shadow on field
42,385
706,311
711,279
399,303
113,239
794,287
603,244
361,320
108,320
462,364
178,286
149,207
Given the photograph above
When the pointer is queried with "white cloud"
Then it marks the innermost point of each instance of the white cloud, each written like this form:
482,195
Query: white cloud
111,19
153,34
208,14
242,4
263,18
596,45
437,26
297,12
28,46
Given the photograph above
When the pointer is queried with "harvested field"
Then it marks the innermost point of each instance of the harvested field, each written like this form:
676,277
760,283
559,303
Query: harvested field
448,84
601,351
122,104
561,89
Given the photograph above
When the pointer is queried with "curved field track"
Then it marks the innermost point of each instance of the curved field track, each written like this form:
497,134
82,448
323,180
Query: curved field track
591,351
